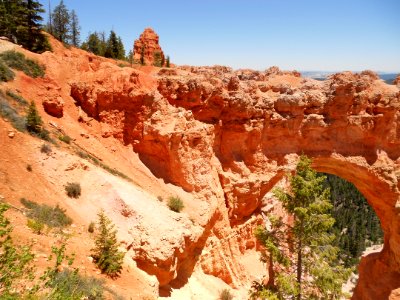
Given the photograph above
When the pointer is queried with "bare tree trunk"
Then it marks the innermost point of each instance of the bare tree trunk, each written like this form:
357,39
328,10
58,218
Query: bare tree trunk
271,272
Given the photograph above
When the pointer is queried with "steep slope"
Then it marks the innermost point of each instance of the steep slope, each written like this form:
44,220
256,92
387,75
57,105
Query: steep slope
221,139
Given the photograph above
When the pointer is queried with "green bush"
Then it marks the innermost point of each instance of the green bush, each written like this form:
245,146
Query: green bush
82,154
15,260
69,284
175,204
17,98
6,74
65,138
9,113
73,189
36,226
18,61
50,216
225,294
45,148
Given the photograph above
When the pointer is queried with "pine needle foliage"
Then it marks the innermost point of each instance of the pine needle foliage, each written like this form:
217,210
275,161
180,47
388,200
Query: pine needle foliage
314,271
106,254
33,120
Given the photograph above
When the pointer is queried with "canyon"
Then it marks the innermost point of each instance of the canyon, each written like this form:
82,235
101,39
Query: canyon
219,138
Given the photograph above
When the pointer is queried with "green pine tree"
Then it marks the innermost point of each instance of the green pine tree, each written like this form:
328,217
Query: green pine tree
21,22
121,49
130,57
106,254
308,239
33,120
167,64
75,29
61,22
157,59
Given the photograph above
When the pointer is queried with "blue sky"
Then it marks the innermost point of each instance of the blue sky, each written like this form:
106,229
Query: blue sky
330,35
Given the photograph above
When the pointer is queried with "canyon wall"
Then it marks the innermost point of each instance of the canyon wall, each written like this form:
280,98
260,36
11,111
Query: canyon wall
230,136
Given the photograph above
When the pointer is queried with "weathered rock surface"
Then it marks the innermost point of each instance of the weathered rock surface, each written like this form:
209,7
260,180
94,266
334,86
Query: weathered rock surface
229,137
397,81
54,106
147,45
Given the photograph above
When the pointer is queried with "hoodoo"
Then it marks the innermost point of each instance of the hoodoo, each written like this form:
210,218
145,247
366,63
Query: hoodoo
146,49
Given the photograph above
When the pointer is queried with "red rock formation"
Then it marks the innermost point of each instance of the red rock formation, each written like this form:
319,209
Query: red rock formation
147,46
54,106
230,137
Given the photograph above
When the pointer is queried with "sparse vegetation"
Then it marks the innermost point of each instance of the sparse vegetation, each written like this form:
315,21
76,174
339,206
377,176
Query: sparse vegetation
160,198
29,168
34,123
97,162
225,294
59,281
18,61
175,204
82,154
73,189
15,262
106,255
17,98
6,74
69,284
65,138
8,112
36,226
45,148
43,213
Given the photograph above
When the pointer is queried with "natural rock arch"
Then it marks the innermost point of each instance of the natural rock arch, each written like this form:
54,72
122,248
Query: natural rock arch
229,137
379,272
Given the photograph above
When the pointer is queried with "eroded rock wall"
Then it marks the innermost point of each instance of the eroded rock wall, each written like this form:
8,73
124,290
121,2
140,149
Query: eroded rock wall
229,136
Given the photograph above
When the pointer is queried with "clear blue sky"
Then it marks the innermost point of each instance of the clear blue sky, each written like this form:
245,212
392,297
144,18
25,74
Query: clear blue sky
329,35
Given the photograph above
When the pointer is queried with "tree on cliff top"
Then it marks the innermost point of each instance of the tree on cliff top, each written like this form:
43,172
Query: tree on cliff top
314,272
61,27
75,29
20,21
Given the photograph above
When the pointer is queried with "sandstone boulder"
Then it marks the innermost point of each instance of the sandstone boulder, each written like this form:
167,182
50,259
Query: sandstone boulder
54,106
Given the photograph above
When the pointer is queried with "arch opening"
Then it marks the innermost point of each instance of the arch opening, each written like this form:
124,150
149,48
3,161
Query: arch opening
378,271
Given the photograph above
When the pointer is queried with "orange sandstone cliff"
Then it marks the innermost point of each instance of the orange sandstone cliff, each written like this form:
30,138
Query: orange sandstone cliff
221,140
